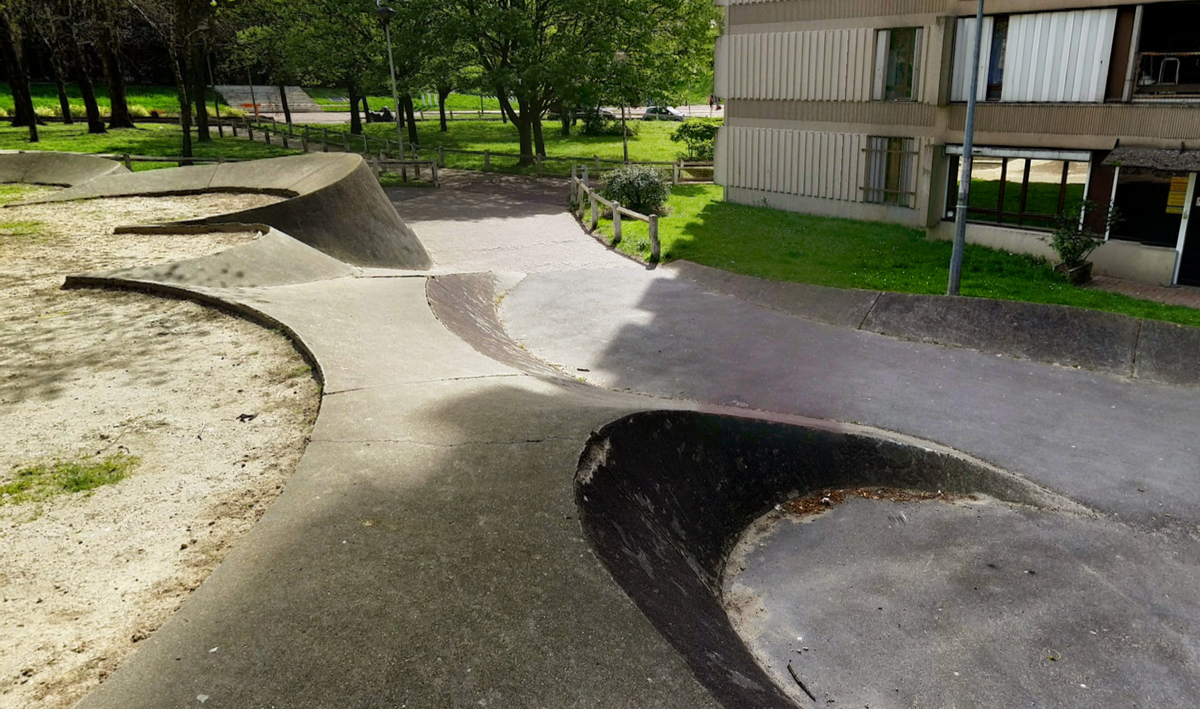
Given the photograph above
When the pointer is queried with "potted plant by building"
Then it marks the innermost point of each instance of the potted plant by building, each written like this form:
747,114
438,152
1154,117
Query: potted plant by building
1077,234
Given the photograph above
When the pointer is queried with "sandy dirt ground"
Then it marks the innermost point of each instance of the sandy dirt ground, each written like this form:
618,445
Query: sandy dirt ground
217,409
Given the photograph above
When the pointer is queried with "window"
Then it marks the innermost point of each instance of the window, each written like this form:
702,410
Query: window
897,64
995,77
890,171
1030,191
1148,214
1168,61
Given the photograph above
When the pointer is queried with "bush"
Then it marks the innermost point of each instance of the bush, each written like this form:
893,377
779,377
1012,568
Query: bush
1073,238
638,187
46,111
139,111
3,112
594,123
700,137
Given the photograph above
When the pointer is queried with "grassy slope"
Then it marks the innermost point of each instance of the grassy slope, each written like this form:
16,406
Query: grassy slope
652,144
455,102
148,139
152,98
842,253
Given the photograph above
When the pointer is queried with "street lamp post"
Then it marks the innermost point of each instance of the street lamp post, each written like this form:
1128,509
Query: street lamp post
385,13
620,58
968,163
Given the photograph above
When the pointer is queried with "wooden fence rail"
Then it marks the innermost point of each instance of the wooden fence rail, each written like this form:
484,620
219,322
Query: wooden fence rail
580,190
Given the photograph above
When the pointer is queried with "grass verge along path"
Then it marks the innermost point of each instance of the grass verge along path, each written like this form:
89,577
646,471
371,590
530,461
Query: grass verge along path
152,139
651,144
844,253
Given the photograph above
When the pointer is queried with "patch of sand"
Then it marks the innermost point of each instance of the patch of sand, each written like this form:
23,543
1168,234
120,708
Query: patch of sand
217,409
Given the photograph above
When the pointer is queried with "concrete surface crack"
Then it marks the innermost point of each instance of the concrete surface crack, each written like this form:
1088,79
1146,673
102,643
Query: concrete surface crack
425,381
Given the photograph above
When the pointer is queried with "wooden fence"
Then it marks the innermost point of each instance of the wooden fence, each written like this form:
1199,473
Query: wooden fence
581,191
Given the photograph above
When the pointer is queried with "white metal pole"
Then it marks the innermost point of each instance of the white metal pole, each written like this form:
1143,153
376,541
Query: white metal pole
387,29
964,187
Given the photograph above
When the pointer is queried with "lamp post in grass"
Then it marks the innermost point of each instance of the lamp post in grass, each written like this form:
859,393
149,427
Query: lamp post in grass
620,58
964,187
385,14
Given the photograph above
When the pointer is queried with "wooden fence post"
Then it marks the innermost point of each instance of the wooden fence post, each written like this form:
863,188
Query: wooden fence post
593,206
585,175
435,175
346,142
128,163
675,173
616,223
366,143
324,140
234,127
417,170
375,166
284,137
597,159
249,130
267,134
538,159
655,252
487,161
441,161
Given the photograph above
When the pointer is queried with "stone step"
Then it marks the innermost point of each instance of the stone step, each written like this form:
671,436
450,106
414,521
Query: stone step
267,98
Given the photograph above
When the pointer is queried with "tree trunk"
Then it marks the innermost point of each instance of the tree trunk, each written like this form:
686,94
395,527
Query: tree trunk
538,138
406,99
64,103
443,94
287,110
18,76
565,118
94,120
185,105
119,115
199,91
524,128
355,117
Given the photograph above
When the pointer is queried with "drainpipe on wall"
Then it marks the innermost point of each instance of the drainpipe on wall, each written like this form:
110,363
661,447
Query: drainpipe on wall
964,187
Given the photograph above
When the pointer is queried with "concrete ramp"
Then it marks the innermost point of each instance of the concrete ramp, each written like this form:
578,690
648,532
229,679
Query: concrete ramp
60,169
334,203
663,497
273,259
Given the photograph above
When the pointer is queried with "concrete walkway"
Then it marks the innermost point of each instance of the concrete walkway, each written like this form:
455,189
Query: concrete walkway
427,551
1186,296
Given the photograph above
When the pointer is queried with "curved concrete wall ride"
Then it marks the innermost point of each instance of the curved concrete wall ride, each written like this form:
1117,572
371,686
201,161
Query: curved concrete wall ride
664,496
47,168
334,203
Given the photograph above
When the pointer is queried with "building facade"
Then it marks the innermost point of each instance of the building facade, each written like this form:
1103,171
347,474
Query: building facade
856,108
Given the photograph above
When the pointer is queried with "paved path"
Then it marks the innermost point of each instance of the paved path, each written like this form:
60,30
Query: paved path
1188,297
427,551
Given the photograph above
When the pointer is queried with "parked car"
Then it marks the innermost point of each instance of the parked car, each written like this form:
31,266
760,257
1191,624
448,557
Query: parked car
663,113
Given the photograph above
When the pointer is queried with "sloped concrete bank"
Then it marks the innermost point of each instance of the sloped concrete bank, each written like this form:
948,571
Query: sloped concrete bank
334,203
59,169
1073,337
664,496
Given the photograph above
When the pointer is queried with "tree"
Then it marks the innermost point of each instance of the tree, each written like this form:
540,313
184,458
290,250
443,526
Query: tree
113,19
14,17
546,53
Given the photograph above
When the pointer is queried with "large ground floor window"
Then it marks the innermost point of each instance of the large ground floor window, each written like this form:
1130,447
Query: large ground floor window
1150,204
891,173
1026,189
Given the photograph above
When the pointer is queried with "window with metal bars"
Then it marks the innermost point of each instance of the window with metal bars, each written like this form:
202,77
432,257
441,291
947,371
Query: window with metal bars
891,171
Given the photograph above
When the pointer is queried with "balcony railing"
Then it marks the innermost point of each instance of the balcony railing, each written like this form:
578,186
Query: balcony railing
1165,74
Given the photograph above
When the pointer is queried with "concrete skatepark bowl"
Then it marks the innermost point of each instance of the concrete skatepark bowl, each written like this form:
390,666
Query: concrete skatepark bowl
444,542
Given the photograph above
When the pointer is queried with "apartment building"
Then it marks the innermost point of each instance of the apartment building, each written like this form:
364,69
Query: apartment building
856,108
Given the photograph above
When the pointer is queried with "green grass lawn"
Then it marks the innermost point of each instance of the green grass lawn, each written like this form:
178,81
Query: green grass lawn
149,139
651,144
149,98
325,98
843,253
